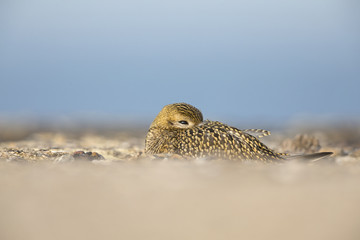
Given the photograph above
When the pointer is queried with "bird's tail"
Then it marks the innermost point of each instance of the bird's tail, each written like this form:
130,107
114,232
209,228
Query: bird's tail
310,157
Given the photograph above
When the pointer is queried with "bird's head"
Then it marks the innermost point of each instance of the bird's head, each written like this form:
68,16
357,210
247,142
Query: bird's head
177,116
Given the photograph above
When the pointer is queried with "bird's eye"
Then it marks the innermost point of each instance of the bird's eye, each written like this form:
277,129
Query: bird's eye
183,122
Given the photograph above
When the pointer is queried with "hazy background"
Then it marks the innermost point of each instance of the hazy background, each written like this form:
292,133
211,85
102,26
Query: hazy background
238,60
241,62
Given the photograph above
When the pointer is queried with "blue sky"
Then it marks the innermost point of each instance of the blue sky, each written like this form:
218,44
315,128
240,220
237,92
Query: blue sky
232,59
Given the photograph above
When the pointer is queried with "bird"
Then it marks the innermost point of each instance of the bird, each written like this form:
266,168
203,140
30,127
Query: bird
179,130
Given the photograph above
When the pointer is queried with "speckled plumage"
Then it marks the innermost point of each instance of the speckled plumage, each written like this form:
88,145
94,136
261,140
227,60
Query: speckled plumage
179,129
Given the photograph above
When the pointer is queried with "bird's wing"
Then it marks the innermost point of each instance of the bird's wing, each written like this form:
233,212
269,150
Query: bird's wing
217,136
310,157
259,133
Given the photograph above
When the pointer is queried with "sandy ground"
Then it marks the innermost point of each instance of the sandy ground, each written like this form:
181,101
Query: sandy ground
46,193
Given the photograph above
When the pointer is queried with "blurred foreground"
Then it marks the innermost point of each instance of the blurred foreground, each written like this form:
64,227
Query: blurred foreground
45,195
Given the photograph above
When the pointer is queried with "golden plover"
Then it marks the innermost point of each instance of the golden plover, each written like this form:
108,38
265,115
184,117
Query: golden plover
179,129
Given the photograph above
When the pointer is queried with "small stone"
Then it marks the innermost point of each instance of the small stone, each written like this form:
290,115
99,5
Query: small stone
80,155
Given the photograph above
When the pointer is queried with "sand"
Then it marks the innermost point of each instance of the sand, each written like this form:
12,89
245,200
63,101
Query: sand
47,194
